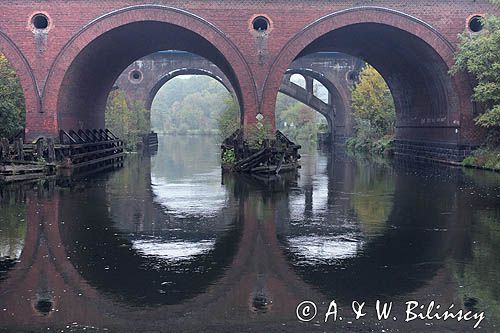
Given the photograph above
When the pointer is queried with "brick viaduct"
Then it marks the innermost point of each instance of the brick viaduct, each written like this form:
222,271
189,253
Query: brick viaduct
68,55
142,80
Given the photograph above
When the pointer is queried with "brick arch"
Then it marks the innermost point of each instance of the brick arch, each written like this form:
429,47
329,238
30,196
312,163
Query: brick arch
184,71
84,71
26,79
412,56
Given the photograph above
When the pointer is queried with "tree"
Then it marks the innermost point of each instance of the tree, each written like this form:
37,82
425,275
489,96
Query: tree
479,54
128,123
117,113
373,104
189,105
229,119
297,121
12,109
373,112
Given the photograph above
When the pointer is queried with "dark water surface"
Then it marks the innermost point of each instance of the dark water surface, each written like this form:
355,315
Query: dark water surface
168,244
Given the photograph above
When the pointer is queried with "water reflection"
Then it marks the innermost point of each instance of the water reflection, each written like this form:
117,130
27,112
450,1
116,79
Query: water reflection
167,255
12,227
169,237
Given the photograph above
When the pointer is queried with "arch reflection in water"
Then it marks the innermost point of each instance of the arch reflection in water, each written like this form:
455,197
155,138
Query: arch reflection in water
252,260
354,220
162,242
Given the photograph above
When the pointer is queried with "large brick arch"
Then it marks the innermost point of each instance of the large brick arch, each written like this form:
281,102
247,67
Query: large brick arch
412,56
183,71
26,79
85,70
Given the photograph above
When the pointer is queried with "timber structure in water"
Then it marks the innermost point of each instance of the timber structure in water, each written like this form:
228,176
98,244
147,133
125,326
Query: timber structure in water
272,156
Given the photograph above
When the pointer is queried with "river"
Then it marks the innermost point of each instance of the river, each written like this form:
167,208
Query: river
169,244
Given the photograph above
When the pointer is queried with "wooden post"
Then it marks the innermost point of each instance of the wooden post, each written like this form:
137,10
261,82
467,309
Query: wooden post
52,153
4,149
18,148
39,149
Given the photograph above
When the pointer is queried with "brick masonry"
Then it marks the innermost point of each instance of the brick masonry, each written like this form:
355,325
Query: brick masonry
68,69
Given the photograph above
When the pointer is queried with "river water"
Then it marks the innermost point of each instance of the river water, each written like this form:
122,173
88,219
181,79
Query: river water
169,244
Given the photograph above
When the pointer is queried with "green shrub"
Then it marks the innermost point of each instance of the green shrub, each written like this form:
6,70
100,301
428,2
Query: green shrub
228,157
258,134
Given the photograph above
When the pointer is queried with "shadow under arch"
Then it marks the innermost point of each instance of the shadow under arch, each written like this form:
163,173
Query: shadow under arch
412,56
179,72
85,70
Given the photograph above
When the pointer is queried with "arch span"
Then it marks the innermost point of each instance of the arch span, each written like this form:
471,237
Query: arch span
89,64
184,71
412,56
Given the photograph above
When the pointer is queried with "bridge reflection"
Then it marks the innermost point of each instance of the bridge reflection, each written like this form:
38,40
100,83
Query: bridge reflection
98,256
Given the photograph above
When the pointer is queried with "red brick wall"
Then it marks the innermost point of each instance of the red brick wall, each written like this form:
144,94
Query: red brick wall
255,63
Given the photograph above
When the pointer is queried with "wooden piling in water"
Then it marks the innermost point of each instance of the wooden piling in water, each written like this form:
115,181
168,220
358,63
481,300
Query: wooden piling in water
51,152
4,149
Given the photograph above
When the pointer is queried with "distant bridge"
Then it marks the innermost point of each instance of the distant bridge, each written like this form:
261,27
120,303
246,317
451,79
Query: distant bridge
142,80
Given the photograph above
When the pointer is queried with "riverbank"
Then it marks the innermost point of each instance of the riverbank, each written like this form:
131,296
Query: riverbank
483,158
382,146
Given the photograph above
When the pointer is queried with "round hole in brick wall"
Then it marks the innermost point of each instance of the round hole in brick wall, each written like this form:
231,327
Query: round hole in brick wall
135,76
260,23
476,24
40,21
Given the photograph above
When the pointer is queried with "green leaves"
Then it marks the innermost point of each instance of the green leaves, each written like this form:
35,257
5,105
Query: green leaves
297,121
373,111
258,133
127,123
229,119
189,105
12,109
479,55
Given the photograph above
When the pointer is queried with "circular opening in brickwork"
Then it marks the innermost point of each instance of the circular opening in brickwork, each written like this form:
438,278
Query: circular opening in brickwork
476,24
40,21
135,76
260,23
